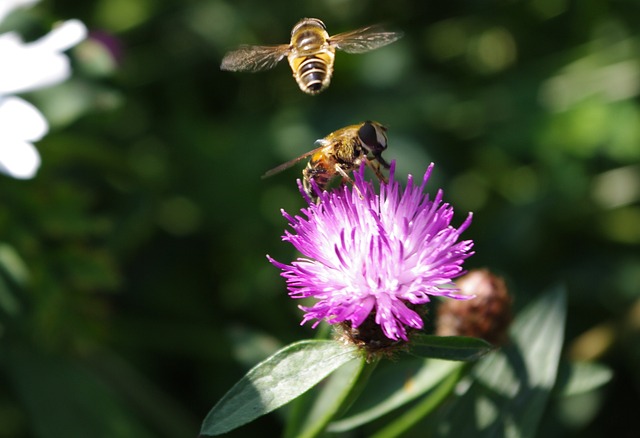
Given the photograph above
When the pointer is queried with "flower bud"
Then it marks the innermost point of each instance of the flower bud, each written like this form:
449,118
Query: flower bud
487,316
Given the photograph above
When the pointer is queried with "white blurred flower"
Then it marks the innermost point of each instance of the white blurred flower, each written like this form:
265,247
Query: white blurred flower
26,67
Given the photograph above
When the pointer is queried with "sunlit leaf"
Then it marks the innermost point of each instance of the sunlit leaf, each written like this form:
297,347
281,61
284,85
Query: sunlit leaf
276,381
581,377
511,387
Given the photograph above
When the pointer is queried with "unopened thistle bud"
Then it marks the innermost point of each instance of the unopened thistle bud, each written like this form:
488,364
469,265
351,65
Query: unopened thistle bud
487,316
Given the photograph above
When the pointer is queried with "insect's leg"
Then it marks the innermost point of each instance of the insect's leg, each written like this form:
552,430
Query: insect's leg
347,178
375,166
309,184
380,160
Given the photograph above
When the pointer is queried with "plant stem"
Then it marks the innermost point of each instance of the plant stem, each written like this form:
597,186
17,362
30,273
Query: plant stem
424,408
337,396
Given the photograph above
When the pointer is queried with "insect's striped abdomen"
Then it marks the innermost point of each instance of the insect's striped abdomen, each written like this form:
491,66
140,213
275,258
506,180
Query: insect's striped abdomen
312,74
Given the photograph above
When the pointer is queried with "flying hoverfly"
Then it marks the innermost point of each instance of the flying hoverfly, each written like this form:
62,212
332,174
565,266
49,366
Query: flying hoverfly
311,52
340,153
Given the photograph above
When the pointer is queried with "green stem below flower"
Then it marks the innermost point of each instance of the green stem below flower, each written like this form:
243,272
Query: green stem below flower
424,408
340,391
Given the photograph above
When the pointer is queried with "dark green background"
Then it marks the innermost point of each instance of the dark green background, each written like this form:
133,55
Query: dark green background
147,292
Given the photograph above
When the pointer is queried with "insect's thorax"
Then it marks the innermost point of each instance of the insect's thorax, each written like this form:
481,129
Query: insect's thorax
311,58
343,153
308,38
348,152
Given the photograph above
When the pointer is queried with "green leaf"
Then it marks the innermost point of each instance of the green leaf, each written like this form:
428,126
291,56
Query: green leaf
581,377
449,347
395,386
276,381
512,386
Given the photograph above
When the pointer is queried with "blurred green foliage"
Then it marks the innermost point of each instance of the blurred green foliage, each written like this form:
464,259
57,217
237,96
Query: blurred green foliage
134,288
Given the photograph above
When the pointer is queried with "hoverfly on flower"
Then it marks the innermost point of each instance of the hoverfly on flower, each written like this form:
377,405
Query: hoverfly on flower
339,154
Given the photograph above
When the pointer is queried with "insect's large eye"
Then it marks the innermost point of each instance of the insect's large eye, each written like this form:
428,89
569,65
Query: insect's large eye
373,139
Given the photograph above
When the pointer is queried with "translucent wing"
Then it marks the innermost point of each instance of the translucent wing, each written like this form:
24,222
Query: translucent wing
364,40
254,58
290,163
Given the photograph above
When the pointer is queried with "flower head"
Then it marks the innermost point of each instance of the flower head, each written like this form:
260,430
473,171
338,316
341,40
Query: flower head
382,255
26,67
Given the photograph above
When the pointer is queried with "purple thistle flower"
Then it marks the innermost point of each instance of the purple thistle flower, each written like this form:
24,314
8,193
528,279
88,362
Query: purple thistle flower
365,253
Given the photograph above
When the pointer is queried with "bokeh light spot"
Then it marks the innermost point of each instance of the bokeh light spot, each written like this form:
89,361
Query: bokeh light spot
546,9
120,15
447,39
179,216
617,187
469,191
622,225
493,51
